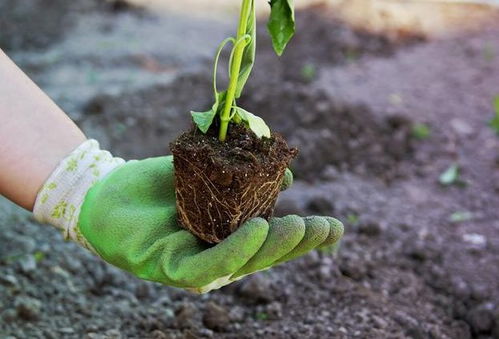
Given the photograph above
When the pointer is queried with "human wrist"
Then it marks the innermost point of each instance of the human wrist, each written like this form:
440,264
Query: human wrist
59,200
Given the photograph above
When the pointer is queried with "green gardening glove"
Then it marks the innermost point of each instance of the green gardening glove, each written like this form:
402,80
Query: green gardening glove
128,218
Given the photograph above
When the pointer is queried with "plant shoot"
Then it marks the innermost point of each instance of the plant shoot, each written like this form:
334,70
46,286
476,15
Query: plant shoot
281,27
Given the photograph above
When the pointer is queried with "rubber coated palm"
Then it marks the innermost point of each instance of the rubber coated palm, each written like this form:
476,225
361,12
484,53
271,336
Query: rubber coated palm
130,219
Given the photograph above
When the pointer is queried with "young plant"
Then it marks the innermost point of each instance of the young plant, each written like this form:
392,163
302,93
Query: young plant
281,27
494,123
222,183
450,176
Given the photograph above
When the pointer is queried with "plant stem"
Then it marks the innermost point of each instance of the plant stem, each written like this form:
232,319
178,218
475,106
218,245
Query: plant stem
235,69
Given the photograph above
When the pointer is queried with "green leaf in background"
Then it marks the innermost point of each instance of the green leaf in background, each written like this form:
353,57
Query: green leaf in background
281,24
494,123
421,131
262,316
460,216
256,124
450,176
203,120
352,218
249,52
309,72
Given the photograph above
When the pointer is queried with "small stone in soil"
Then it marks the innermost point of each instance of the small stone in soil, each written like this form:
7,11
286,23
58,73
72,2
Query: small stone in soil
28,264
370,228
274,311
237,314
157,334
8,280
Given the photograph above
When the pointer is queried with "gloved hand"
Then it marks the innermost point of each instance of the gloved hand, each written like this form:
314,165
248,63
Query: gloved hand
125,213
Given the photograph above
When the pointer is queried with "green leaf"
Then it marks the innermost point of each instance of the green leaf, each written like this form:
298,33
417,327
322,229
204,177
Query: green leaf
450,176
261,316
249,52
255,123
203,120
352,218
460,216
421,131
39,255
309,72
281,24
494,123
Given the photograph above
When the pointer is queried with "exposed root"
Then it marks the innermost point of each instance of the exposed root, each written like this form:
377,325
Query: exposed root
210,205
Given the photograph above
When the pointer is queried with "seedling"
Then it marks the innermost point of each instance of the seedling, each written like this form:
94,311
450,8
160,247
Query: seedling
281,27
489,52
39,256
421,131
309,72
450,175
460,216
261,316
230,167
352,219
494,123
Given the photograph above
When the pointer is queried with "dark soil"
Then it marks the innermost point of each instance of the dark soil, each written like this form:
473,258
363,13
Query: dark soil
220,185
418,260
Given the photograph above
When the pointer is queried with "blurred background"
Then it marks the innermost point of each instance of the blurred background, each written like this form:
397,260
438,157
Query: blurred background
391,104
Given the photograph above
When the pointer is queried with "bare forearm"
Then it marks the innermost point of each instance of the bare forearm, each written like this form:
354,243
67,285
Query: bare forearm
35,134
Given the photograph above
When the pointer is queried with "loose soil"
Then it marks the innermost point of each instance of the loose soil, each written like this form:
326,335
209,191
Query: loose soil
418,260
220,185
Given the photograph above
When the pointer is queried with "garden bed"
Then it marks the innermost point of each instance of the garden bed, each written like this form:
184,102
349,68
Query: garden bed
419,259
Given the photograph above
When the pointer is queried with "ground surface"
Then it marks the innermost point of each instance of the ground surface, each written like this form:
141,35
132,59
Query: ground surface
419,260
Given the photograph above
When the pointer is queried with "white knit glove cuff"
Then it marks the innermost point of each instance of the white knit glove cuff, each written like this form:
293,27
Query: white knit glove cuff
59,201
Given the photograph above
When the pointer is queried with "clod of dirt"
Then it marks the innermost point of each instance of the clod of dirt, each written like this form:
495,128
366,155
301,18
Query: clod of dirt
216,317
256,289
186,316
220,185
274,311
28,308
481,318
157,334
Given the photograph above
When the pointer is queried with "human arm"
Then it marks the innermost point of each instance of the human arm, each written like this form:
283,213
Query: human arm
124,212
35,135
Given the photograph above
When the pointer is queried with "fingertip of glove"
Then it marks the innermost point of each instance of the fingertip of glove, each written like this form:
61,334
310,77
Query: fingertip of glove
317,227
288,227
256,228
291,219
337,229
287,181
